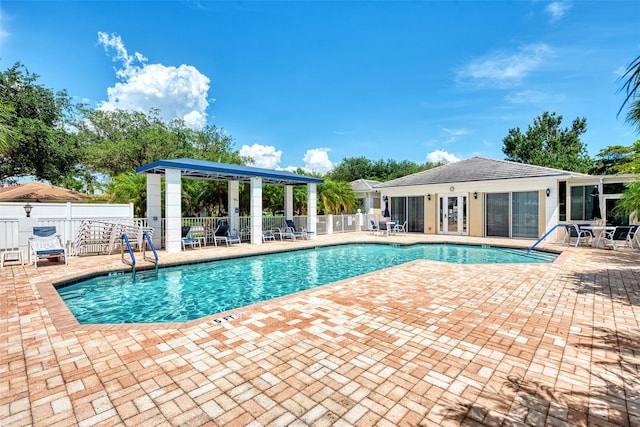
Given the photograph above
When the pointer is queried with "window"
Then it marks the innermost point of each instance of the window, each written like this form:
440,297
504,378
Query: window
524,214
562,200
581,203
498,214
513,214
398,208
615,188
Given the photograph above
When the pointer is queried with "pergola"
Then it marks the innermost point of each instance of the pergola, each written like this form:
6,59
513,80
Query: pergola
175,169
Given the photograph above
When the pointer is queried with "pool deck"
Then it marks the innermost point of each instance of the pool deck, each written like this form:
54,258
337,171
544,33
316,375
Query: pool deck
425,343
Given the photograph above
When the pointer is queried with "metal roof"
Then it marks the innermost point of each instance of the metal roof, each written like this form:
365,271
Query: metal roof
477,169
202,169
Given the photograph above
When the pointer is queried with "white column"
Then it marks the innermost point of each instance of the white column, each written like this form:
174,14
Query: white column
173,211
288,201
233,205
256,210
312,216
154,207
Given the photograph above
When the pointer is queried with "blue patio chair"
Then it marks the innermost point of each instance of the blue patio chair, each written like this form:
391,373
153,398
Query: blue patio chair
299,233
222,234
46,244
233,238
268,236
187,240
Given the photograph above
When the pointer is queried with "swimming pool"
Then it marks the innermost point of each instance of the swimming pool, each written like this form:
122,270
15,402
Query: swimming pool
188,292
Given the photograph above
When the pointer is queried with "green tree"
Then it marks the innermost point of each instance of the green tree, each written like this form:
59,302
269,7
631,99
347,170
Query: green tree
631,87
335,197
351,169
129,187
119,141
33,138
617,159
546,143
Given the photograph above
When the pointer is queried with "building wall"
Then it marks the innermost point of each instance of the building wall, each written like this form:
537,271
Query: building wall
548,216
476,215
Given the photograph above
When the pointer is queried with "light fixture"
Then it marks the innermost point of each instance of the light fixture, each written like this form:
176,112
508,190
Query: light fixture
27,209
548,192
428,196
475,194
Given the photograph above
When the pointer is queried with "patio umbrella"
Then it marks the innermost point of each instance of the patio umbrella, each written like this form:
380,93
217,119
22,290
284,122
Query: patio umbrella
595,208
386,213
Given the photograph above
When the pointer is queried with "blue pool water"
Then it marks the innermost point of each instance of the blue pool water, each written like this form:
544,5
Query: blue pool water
187,292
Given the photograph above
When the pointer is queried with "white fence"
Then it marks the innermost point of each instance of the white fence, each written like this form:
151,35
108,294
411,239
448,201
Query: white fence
15,228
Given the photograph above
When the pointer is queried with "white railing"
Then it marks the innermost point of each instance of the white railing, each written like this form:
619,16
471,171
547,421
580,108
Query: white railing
68,228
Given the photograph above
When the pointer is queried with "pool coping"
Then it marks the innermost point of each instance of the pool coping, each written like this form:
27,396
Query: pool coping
64,320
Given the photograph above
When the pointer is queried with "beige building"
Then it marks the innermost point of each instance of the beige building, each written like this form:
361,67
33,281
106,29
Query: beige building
497,198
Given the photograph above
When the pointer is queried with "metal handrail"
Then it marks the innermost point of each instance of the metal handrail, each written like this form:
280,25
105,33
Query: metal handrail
566,226
149,242
132,263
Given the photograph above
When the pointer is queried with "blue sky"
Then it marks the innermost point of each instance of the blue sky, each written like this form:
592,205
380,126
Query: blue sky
309,83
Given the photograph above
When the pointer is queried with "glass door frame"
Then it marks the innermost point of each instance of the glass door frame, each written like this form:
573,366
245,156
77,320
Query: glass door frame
462,214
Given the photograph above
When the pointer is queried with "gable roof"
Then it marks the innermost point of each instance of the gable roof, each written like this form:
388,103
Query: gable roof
364,185
39,191
476,169
193,168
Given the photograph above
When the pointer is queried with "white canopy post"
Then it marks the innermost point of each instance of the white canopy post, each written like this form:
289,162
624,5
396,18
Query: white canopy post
256,210
173,211
233,205
312,217
288,201
154,207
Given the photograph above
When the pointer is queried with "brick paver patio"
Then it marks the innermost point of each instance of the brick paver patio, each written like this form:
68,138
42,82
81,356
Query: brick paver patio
425,343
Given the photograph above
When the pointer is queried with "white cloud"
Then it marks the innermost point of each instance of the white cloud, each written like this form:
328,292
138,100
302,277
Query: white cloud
506,69
264,156
456,132
557,10
531,97
438,156
317,160
178,92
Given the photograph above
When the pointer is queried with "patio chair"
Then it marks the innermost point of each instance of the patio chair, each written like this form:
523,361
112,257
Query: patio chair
580,234
382,228
46,244
285,233
302,233
632,237
401,228
619,234
268,236
187,240
373,227
233,238
222,234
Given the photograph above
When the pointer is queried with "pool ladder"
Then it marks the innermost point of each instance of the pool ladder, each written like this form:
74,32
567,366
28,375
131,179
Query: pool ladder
132,258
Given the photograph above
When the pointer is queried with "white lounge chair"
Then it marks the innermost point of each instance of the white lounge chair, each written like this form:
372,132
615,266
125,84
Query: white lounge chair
46,244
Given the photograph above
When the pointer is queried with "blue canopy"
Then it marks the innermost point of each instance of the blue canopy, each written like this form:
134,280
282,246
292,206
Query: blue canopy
202,169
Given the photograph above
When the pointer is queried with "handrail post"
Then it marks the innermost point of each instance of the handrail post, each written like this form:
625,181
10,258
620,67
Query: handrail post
125,240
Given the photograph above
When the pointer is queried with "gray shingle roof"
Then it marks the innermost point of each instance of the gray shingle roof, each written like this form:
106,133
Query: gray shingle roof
364,185
475,169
